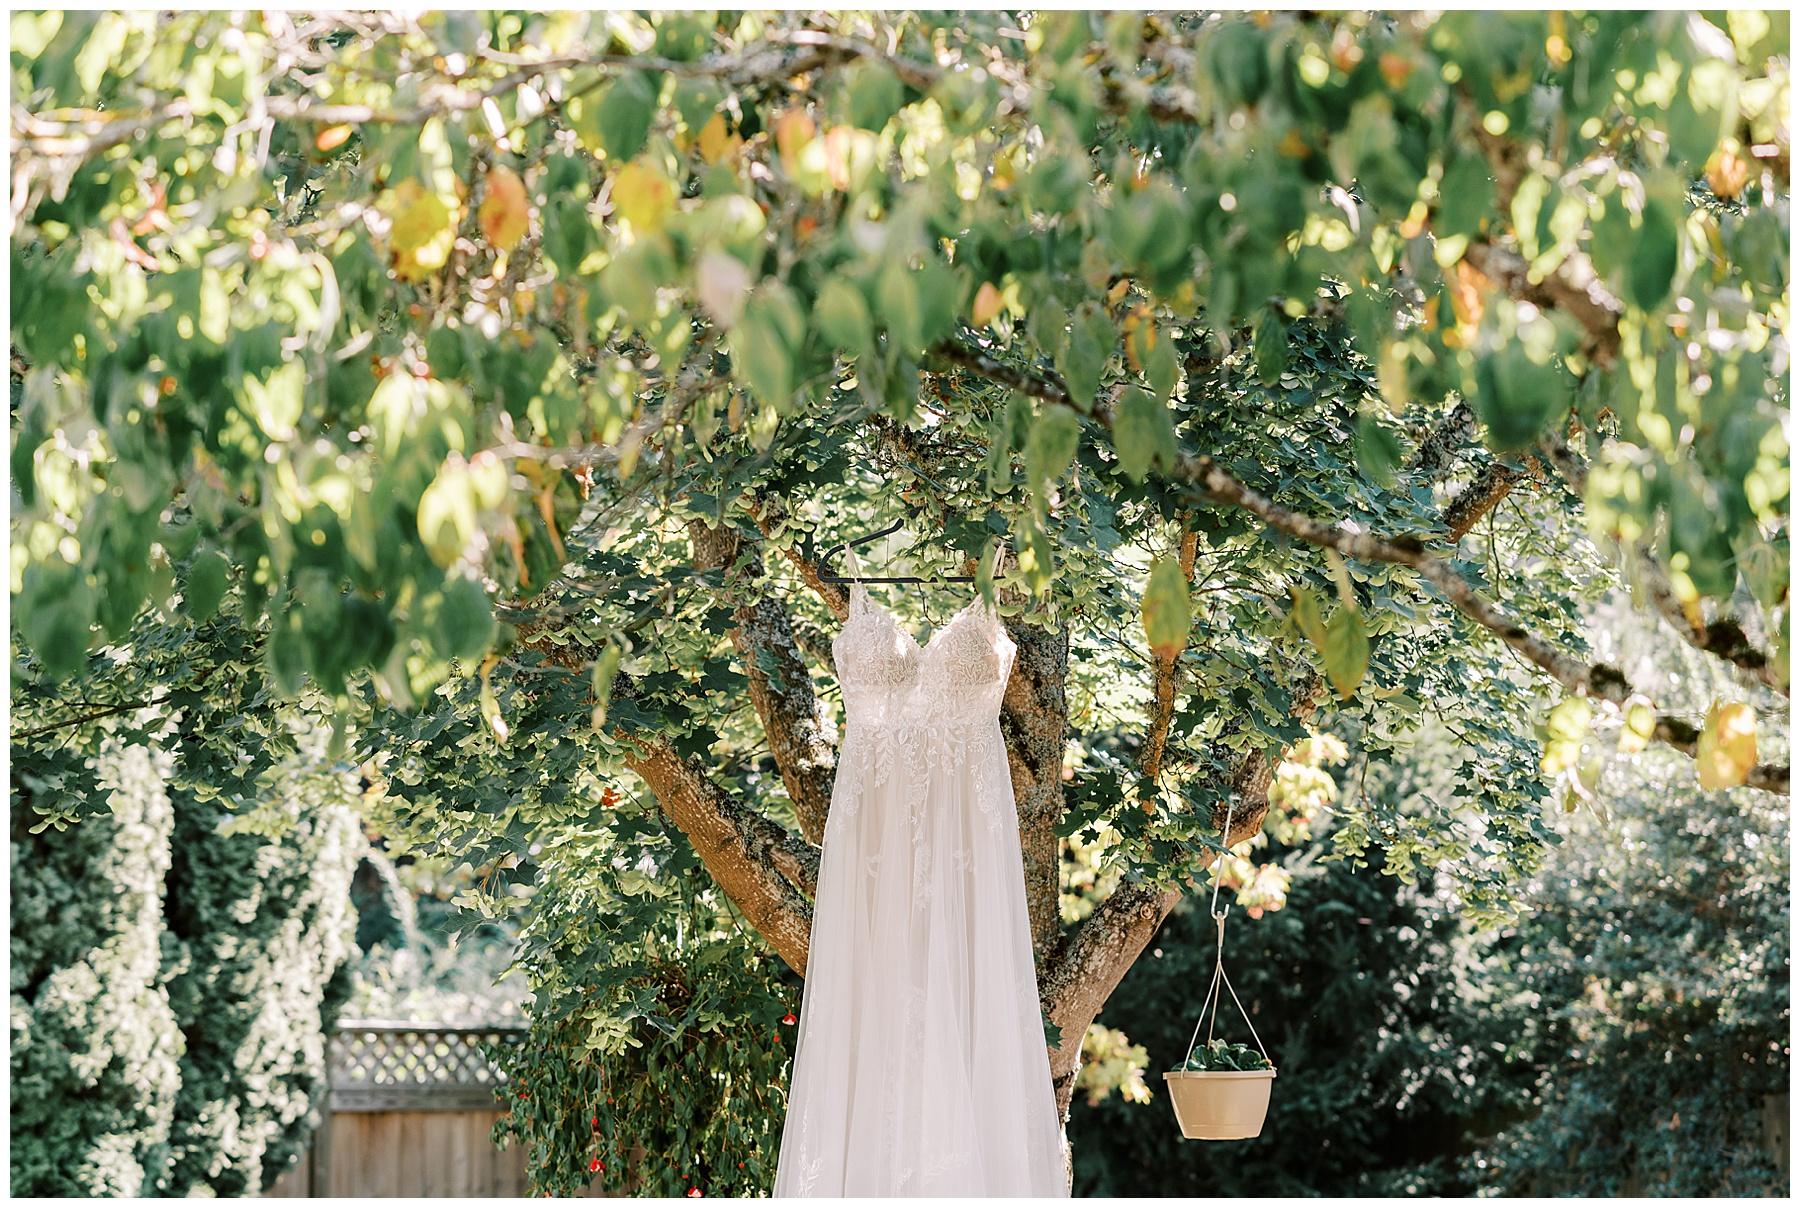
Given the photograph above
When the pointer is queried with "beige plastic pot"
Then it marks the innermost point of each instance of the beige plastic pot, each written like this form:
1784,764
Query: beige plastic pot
1220,1105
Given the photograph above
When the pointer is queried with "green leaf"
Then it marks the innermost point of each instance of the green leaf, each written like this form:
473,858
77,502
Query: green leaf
875,94
606,669
1271,348
568,233
762,347
622,118
1237,62
1143,434
286,654
1055,436
1466,196
1092,338
463,622
53,614
1378,450
1161,369
205,585
843,315
1346,652
1167,609
1651,268
1306,615
1517,397
902,310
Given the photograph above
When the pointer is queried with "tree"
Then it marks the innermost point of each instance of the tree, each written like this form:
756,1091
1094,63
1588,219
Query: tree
531,360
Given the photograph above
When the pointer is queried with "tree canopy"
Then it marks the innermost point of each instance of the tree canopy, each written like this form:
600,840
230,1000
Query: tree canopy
504,376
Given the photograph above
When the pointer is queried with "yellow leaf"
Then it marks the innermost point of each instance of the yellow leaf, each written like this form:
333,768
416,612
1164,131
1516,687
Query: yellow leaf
423,230
332,137
1167,614
717,140
988,303
1727,173
1727,749
1565,729
642,196
490,704
1306,616
1640,724
419,216
505,212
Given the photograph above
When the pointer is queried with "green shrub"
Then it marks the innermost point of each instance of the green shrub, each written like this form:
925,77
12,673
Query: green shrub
1658,966
95,1044
180,909
260,923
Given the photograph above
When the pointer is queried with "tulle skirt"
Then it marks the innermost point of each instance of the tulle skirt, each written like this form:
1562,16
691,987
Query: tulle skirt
920,1067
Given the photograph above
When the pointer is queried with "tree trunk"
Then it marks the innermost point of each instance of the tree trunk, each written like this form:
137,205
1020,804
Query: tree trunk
1034,719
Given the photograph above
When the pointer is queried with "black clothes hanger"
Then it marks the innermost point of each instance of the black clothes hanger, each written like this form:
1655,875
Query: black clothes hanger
824,563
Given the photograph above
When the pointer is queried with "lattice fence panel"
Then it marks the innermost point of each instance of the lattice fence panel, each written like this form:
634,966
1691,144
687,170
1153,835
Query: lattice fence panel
371,1063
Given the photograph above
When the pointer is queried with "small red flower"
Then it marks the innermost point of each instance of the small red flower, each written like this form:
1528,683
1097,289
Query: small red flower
789,1018
693,1192
596,1165
596,1121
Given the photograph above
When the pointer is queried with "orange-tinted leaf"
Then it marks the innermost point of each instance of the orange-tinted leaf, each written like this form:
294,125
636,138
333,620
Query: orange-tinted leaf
1727,749
988,303
505,213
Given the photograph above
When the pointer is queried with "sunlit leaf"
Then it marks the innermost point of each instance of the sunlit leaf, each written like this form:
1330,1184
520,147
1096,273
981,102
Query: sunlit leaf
1167,613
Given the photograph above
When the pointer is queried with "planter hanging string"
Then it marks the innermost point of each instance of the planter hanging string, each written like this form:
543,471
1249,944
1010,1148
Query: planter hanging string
1209,1010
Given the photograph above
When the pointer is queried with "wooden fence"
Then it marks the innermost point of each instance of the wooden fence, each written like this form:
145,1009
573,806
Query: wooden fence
410,1111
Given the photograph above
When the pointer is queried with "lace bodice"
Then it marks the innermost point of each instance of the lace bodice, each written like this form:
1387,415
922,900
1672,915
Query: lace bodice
957,676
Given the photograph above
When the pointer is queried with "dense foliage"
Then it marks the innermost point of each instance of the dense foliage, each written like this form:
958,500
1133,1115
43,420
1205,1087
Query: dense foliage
176,934
492,381
660,1031
257,930
1657,969
1377,1006
95,1045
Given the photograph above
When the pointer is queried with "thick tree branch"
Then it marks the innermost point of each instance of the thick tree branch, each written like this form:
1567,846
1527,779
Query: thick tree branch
798,725
1219,485
1483,494
1084,968
1724,638
751,858
832,595
714,820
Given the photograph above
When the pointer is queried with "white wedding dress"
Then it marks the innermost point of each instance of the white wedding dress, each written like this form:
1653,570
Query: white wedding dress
920,1067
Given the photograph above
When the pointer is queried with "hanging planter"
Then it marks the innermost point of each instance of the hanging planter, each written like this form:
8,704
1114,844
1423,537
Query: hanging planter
1221,1091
